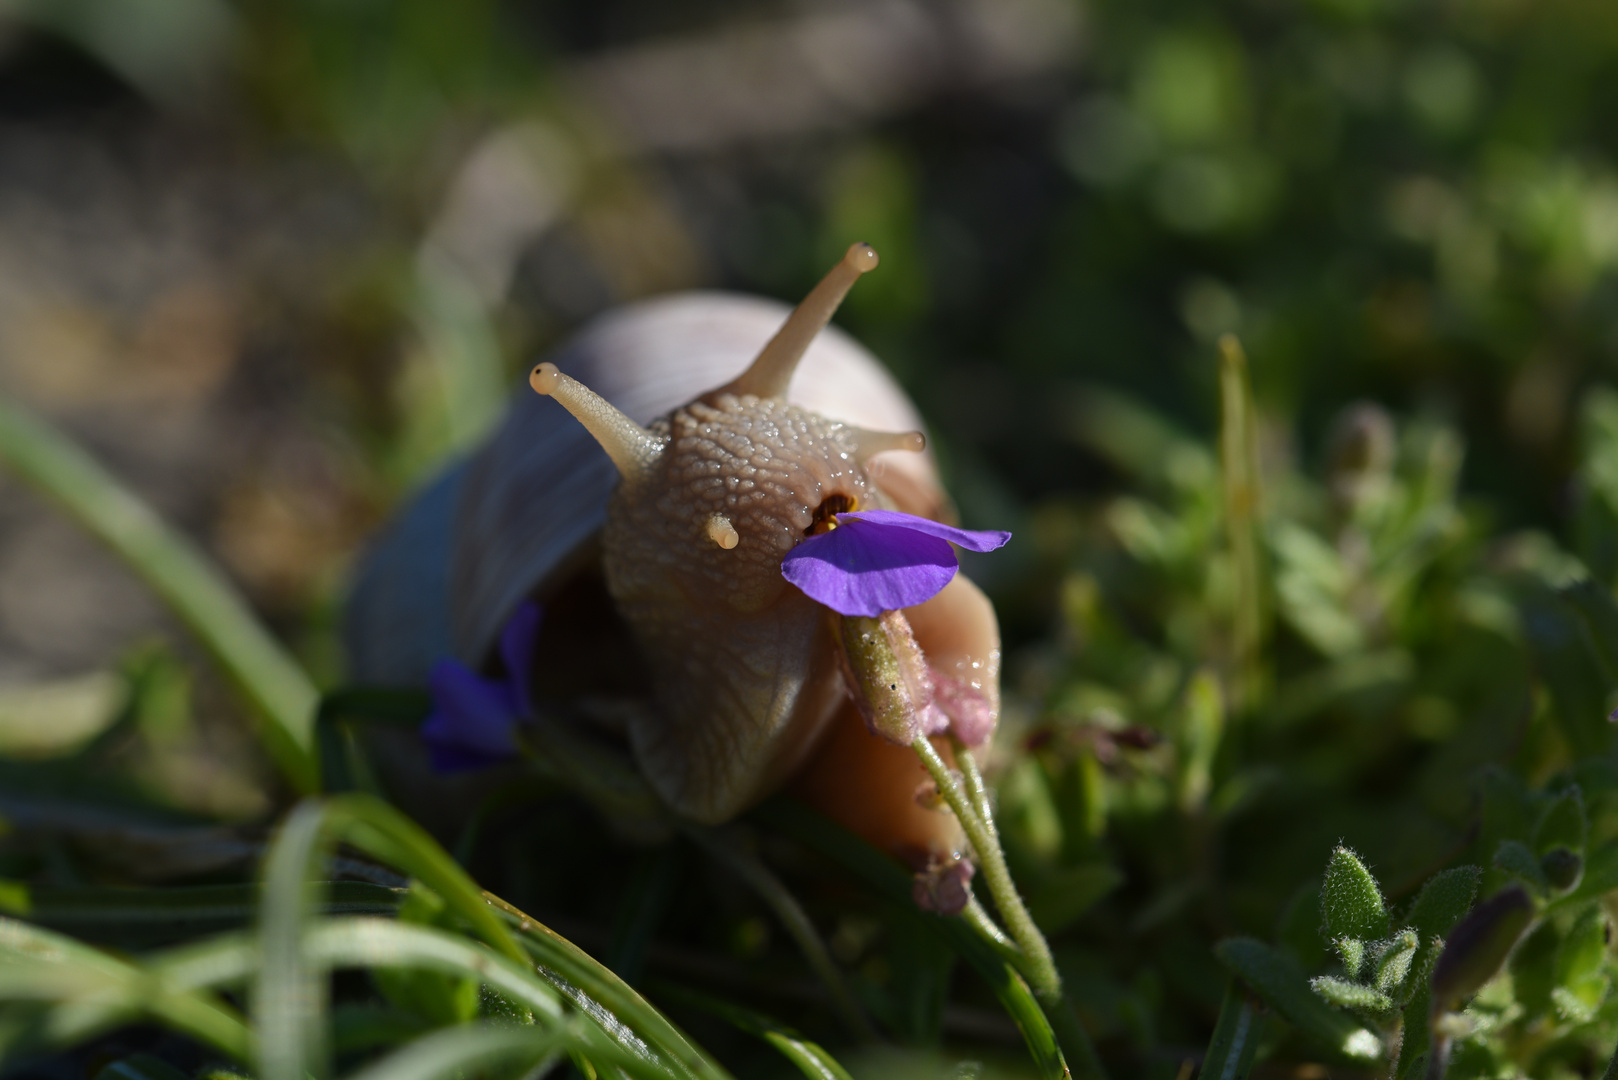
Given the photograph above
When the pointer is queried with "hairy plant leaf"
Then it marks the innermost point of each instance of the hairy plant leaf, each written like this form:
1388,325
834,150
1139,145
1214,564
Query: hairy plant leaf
1278,979
1562,823
1443,900
1393,960
1584,947
1567,662
1352,952
1350,995
1416,1041
1350,900
1517,860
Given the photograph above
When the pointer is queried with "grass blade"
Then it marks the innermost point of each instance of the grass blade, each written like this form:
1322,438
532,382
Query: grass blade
289,996
186,580
158,915
364,942
469,1050
95,992
810,1058
1238,460
289,999
1235,1038
140,1067
582,973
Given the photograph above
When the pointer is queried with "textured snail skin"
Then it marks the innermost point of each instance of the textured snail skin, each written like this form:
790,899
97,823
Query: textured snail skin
743,666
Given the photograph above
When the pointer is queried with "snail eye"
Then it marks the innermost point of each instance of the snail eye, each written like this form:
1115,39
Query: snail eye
825,519
722,532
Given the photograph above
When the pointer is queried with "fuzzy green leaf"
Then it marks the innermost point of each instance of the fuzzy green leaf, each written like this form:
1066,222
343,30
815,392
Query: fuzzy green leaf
1584,949
1562,823
1278,979
1350,900
1352,951
1417,1040
1393,960
1600,872
1350,995
1508,810
1533,969
1443,900
1569,667
1515,859
1577,1002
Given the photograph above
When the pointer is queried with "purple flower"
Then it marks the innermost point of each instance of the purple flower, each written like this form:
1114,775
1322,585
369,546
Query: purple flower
880,560
474,719
944,887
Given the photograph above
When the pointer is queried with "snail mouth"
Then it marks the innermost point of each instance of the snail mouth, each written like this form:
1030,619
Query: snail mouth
825,519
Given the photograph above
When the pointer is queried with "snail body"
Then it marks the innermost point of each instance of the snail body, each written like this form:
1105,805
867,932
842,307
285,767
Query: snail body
683,477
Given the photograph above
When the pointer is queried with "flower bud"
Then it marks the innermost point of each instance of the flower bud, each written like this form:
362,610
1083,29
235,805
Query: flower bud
1562,868
944,888
1479,944
888,675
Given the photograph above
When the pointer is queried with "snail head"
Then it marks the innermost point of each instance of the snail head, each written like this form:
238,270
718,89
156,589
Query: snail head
713,495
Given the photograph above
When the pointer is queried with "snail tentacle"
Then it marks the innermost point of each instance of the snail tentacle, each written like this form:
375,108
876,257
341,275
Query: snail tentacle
632,448
868,444
771,371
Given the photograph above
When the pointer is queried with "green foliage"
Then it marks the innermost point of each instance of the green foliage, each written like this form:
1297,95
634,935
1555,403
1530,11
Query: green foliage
1234,1044
1256,619
1442,901
1393,960
1350,901
1278,979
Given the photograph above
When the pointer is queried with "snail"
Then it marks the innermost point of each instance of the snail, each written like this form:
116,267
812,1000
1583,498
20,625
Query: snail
651,524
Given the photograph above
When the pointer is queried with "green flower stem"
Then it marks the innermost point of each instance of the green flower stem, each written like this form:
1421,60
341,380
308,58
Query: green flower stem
186,580
1036,962
973,777
990,931
747,866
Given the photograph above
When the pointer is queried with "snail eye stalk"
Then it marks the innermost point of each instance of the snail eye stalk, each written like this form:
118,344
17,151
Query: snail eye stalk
772,369
633,449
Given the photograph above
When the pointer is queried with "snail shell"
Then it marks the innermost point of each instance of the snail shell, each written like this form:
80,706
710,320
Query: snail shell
523,515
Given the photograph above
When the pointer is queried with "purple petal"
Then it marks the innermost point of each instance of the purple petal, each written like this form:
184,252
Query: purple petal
517,651
971,540
473,719
868,567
